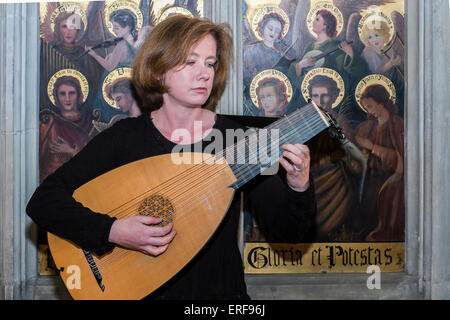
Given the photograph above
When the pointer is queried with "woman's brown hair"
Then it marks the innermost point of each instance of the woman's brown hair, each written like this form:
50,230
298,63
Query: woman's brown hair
167,46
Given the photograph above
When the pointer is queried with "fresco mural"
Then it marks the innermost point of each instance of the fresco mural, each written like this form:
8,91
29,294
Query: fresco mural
347,57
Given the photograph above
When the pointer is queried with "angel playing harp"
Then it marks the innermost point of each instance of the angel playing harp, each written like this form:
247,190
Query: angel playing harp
381,38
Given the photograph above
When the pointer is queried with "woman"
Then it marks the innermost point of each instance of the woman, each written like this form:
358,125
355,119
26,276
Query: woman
381,138
65,132
180,71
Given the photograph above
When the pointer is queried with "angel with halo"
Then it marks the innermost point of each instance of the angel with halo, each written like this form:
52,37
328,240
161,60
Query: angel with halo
381,41
129,35
268,51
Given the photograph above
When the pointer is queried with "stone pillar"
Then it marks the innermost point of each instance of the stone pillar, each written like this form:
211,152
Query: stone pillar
434,100
231,13
19,98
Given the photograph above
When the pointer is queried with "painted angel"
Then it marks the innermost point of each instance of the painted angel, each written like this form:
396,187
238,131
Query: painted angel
325,47
270,52
126,41
65,29
381,43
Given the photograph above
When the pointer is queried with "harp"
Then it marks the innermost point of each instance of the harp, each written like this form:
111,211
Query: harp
396,48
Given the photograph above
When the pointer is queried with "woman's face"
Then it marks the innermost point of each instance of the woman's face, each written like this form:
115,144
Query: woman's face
119,30
68,32
67,97
190,84
376,40
269,100
372,107
319,24
272,30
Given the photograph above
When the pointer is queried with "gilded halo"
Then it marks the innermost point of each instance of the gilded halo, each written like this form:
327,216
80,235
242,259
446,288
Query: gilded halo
329,6
376,19
269,73
262,12
170,10
69,7
329,73
111,7
371,80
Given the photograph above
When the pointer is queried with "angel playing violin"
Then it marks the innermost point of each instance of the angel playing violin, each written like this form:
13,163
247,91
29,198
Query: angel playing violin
129,40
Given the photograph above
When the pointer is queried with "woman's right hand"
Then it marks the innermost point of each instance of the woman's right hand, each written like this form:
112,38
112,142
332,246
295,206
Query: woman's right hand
141,233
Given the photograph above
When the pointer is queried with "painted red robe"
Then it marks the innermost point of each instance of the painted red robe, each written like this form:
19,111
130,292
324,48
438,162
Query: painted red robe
76,133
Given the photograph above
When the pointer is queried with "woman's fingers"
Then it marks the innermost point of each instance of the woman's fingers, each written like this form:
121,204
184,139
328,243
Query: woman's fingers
142,233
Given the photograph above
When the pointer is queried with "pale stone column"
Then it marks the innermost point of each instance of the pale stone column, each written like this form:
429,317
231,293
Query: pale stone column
434,104
231,13
19,98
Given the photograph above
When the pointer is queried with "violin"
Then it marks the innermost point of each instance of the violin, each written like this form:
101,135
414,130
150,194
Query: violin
104,44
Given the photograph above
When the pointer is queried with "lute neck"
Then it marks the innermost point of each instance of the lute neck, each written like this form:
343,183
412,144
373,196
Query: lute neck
260,150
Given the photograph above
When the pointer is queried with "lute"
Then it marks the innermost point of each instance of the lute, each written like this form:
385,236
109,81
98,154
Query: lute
320,56
195,196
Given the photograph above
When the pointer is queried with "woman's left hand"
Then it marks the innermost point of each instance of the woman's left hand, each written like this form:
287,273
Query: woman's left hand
296,162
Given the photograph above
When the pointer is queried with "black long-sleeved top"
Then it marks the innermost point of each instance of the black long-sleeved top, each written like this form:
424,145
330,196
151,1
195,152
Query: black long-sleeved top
216,272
